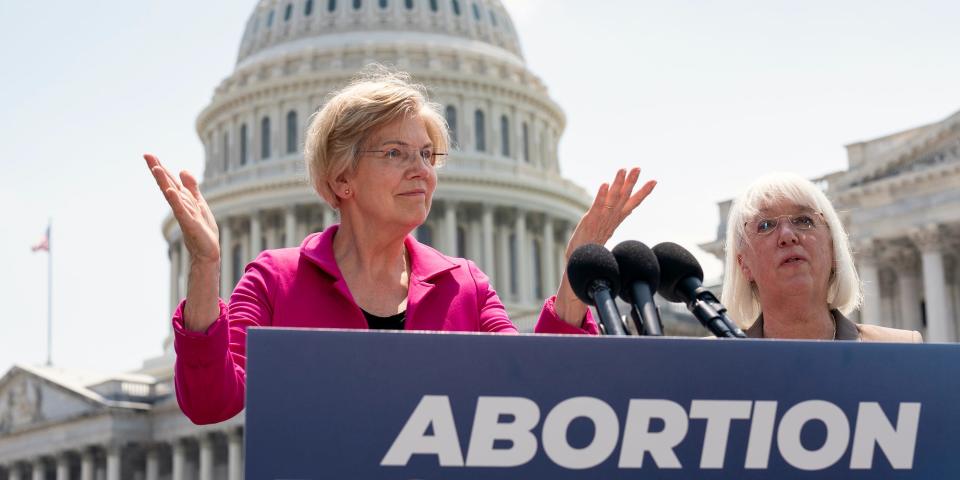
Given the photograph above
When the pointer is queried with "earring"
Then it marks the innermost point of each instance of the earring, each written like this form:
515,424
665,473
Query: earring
346,192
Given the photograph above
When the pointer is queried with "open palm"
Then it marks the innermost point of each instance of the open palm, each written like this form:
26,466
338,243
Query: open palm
199,227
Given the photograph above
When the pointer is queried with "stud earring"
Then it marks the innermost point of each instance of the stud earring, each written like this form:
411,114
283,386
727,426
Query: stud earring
346,192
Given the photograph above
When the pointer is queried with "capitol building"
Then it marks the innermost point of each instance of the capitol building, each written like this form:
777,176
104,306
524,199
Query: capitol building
501,201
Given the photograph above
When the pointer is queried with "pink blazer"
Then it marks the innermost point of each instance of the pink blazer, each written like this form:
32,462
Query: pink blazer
303,287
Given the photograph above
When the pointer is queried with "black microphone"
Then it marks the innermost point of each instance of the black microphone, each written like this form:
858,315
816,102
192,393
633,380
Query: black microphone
639,277
594,277
681,280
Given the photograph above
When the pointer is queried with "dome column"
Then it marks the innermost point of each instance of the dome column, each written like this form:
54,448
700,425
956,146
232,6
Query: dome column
524,280
226,257
290,226
486,222
547,259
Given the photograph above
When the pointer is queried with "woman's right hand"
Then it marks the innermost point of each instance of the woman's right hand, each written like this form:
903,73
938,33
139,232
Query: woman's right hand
197,224
202,240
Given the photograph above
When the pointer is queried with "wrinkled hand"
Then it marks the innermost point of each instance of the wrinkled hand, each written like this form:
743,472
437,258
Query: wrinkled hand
199,228
612,205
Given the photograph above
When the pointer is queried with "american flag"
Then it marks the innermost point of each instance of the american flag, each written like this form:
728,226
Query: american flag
44,244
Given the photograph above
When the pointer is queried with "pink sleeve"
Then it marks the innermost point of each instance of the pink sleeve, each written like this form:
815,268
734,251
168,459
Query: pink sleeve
210,369
493,315
550,322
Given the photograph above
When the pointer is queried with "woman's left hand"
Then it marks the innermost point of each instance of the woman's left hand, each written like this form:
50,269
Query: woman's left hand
612,205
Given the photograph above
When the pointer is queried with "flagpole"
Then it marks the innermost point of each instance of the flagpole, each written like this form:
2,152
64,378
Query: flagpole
49,294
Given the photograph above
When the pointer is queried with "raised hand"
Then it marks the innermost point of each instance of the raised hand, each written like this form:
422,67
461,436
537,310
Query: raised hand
199,228
612,205
202,239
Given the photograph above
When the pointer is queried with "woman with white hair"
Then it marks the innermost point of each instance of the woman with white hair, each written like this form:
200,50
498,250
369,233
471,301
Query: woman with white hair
789,269
372,153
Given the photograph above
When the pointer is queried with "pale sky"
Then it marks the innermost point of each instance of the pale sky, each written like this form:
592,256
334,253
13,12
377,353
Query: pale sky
704,96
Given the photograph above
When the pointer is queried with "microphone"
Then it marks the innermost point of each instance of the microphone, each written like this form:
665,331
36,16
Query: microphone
595,279
639,277
681,280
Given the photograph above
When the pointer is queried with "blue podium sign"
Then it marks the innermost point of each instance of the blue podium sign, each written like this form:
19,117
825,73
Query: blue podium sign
390,405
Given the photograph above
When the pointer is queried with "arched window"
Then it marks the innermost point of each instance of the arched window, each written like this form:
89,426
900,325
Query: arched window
243,144
476,12
451,116
537,272
408,4
288,12
331,5
291,131
526,143
461,242
270,19
265,138
308,8
456,7
357,4
493,18
425,234
433,5
480,130
383,4
504,136
226,152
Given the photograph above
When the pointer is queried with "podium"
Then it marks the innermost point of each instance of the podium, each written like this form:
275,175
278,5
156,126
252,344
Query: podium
399,405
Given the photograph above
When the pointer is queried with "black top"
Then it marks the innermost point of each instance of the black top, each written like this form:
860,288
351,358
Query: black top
393,322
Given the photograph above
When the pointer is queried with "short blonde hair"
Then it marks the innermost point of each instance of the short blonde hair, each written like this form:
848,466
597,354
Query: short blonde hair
376,97
739,295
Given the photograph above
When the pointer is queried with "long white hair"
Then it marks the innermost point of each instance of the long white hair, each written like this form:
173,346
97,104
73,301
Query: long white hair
739,294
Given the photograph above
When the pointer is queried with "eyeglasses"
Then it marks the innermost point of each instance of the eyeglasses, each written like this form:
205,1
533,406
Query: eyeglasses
799,221
404,157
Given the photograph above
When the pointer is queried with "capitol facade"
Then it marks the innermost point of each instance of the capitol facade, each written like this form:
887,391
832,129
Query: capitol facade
899,200
500,200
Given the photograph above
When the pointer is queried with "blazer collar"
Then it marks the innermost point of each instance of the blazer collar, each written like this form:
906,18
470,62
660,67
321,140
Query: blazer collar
846,329
425,262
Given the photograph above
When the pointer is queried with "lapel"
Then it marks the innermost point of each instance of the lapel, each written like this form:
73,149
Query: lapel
846,329
426,267
318,249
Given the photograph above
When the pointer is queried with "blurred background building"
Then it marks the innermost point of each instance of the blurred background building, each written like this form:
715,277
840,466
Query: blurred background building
899,200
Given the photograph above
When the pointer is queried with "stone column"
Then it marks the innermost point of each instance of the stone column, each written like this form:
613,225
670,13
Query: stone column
905,264
63,466
14,472
524,280
234,452
226,258
290,226
113,462
550,279
86,464
206,456
256,235
940,324
486,221
174,276
474,240
450,229
870,276
502,283
329,216
152,470
179,460
39,472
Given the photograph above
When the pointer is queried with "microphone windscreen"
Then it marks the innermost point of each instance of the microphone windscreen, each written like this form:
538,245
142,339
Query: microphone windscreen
589,263
676,264
637,263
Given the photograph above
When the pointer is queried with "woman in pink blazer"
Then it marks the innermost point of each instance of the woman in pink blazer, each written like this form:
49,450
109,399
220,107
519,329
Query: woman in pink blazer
371,153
